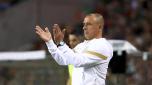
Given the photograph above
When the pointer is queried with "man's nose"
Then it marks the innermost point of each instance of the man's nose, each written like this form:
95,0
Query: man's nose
84,27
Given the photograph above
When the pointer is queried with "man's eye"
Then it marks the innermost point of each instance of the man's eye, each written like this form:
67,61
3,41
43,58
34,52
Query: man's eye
86,24
89,24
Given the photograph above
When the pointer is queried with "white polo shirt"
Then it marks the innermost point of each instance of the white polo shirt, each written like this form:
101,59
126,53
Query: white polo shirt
89,58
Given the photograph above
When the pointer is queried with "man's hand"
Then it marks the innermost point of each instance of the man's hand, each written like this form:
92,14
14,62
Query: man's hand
58,34
43,34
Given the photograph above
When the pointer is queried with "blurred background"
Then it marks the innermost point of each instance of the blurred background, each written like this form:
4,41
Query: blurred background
129,20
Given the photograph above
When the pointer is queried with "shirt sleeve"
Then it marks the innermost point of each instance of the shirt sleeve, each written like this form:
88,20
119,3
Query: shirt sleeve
63,55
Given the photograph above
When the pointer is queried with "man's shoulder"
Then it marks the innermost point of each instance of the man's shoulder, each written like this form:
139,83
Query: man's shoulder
100,44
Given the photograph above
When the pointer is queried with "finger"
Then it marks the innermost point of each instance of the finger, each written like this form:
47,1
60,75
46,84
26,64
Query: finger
47,30
38,28
54,31
57,28
37,32
54,34
63,31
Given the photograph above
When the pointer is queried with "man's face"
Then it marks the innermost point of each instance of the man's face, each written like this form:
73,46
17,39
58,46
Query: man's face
91,27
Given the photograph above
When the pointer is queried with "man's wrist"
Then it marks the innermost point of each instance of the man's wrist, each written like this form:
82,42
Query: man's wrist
61,43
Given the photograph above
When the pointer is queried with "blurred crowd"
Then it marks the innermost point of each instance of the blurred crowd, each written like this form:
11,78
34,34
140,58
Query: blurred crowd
129,20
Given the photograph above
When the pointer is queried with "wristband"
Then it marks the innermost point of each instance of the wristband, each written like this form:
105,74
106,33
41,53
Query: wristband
61,43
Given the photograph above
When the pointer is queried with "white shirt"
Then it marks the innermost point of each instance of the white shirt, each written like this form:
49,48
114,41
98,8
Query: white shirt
89,58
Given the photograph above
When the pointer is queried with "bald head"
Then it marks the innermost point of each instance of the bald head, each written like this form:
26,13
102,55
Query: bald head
98,19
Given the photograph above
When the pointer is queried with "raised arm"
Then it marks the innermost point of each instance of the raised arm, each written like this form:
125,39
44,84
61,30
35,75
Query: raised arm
65,56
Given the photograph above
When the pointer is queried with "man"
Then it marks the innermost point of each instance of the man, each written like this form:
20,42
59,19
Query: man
89,58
